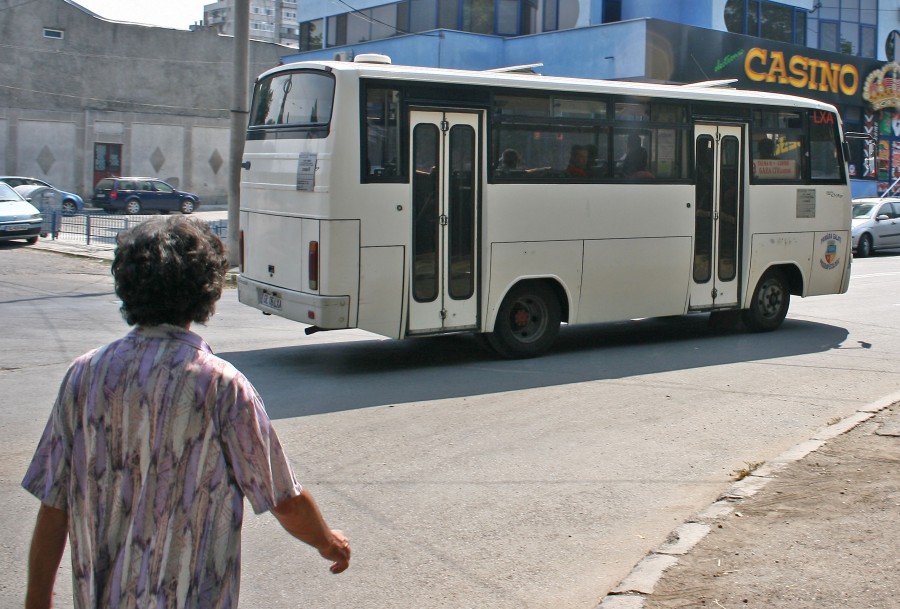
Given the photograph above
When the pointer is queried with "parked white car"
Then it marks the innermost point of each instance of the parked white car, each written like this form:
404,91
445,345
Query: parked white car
19,219
876,225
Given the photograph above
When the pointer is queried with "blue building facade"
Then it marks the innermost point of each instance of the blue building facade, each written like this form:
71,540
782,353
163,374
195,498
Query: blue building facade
840,51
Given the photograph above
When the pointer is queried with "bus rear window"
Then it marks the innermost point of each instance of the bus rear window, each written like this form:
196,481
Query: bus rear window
296,99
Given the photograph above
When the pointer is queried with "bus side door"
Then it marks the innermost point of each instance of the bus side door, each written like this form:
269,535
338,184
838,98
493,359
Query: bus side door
444,195
717,216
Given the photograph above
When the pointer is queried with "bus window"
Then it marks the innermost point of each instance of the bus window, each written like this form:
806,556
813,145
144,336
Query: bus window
426,200
382,134
824,152
777,145
293,98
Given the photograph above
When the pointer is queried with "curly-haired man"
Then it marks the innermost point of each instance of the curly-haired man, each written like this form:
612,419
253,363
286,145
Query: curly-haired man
154,442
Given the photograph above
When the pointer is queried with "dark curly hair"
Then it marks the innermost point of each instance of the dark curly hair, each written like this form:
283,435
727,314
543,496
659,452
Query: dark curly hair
169,271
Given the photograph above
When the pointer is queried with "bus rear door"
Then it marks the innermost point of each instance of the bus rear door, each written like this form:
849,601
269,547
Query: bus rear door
444,197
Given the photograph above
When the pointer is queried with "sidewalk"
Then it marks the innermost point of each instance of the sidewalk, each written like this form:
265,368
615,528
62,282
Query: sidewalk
103,252
819,527
74,248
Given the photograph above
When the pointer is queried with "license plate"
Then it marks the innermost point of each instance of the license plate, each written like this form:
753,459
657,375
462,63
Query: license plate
270,300
15,227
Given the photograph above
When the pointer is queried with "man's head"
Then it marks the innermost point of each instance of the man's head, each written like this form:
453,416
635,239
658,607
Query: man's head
169,271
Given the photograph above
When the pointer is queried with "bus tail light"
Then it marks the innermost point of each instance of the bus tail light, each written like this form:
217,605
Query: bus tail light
241,249
313,265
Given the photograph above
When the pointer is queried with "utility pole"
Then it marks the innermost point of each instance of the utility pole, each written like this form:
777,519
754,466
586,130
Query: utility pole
239,112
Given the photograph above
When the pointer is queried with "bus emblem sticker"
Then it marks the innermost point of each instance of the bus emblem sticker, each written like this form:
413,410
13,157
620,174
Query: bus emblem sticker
306,171
831,258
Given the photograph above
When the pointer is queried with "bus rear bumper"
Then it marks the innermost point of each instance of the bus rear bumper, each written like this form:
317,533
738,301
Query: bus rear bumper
326,312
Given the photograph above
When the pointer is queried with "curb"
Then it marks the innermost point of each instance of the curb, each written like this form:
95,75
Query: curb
634,589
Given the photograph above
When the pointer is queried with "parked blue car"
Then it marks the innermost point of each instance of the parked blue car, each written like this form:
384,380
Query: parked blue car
138,195
71,203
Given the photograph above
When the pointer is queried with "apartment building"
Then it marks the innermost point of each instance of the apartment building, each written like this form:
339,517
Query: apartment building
270,20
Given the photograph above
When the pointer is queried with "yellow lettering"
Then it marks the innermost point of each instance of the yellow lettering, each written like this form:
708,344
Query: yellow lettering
755,54
830,76
777,69
851,87
798,66
800,72
813,64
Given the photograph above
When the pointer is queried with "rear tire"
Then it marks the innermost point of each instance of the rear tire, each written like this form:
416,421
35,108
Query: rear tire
133,207
31,240
769,304
527,322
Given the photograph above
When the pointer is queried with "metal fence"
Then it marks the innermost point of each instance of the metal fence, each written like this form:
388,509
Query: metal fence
101,229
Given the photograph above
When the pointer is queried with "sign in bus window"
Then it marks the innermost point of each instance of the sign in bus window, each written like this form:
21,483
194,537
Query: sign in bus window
382,133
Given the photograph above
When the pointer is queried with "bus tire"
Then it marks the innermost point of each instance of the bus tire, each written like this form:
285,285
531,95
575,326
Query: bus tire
527,322
769,304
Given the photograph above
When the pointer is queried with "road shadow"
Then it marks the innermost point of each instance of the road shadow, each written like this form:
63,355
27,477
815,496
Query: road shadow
343,376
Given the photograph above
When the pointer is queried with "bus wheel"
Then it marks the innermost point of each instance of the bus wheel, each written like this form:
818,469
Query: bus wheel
527,323
770,303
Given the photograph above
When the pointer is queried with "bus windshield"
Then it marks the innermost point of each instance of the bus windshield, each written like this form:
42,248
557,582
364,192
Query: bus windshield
293,98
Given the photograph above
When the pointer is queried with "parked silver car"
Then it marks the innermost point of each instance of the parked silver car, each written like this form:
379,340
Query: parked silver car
71,203
876,225
19,219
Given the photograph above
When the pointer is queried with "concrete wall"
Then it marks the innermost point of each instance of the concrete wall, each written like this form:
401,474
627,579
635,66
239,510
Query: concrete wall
163,94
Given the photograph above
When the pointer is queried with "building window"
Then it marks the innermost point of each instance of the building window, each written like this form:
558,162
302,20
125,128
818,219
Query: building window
764,19
54,33
501,17
612,11
311,35
478,16
422,15
845,26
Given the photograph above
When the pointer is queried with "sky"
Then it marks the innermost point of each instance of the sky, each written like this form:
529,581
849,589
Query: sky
178,14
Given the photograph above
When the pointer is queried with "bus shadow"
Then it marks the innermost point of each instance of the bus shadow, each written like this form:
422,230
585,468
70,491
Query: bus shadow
344,376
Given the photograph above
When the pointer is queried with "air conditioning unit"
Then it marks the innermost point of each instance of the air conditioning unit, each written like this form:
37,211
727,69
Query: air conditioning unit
343,56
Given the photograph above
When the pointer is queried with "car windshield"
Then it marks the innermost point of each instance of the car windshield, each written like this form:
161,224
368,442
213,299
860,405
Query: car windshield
7,193
862,210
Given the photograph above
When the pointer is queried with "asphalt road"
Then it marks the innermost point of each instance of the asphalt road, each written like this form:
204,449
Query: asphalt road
464,481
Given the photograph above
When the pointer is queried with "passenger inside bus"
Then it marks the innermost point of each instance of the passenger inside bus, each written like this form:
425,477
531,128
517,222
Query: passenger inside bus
578,162
636,158
509,161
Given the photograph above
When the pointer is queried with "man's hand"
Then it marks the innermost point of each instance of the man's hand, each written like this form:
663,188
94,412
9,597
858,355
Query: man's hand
301,518
338,550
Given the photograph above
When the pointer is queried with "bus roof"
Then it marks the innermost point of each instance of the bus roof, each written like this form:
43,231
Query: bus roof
712,92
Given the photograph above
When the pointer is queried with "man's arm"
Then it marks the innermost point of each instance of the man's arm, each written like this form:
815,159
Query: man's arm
301,518
47,546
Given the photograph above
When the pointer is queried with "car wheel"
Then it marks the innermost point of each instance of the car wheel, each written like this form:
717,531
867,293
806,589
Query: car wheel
527,322
864,248
769,304
69,208
31,240
187,206
133,207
